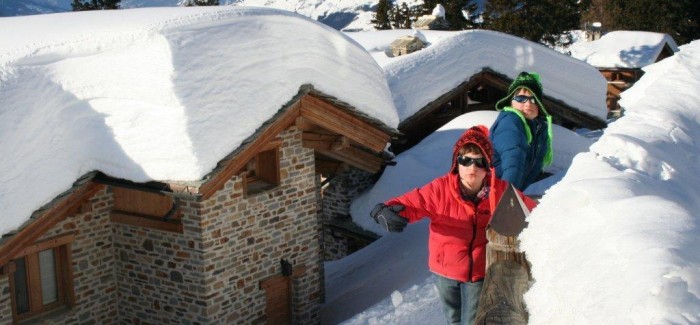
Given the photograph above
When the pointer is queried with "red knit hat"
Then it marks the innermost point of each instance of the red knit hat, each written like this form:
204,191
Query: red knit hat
478,135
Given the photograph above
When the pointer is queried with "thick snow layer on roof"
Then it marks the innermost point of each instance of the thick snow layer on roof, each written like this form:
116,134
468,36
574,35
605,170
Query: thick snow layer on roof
623,49
418,78
157,93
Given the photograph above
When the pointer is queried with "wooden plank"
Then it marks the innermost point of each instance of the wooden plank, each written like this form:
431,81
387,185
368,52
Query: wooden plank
330,117
128,218
355,157
47,220
341,144
303,124
46,244
234,165
501,301
141,202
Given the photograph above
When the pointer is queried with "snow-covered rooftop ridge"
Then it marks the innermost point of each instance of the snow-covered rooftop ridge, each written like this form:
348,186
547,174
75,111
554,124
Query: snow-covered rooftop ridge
423,76
623,49
158,93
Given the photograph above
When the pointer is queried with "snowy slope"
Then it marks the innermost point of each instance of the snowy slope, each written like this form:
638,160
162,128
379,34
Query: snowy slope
157,93
339,14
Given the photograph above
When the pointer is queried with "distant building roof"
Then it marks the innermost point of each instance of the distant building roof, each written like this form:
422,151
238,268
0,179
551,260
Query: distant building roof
624,49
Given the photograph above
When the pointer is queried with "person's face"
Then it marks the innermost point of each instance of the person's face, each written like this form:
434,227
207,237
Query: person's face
472,176
529,109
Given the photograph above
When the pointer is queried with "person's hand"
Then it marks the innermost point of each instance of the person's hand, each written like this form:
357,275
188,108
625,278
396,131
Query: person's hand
388,217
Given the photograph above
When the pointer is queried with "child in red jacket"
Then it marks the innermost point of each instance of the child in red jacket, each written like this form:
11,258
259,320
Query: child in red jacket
459,205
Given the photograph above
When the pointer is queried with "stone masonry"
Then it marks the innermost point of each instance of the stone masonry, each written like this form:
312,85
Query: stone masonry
211,273
338,239
94,282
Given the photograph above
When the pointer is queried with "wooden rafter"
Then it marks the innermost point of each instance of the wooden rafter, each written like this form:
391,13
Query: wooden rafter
234,165
330,117
356,158
59,212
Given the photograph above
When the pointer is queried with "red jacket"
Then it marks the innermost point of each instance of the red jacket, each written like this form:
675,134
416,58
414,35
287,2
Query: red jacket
457,241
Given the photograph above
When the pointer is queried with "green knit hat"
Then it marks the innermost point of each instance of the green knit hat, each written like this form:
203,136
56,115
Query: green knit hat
529,81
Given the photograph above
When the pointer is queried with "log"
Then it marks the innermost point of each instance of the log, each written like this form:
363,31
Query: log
501,300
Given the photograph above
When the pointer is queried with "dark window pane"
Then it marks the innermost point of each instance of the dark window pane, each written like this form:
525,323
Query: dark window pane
21,288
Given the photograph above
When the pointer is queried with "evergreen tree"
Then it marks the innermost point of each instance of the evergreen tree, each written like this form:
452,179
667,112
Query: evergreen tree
380,18
680,18
407,16
543,21
198,3
79,5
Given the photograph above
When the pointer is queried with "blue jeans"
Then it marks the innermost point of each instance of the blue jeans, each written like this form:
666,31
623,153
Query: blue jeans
459,299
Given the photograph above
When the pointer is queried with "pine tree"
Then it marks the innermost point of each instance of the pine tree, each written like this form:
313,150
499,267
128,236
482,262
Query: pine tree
542,21
198,3
680,19
407,16
79,5
381,16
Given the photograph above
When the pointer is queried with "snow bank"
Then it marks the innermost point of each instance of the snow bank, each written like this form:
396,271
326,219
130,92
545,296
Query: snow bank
157,93
616,241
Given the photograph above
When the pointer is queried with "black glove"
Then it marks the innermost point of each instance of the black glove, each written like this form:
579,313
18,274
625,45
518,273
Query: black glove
388,217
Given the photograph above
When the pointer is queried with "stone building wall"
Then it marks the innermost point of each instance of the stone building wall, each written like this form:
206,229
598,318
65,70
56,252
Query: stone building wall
338,240
160,273
94,283
245,237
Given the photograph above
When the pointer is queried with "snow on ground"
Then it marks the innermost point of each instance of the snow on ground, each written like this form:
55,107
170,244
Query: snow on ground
452,58
155,92
614,242
623,49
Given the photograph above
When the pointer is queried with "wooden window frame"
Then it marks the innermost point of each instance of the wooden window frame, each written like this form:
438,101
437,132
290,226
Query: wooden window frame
262,173
63,268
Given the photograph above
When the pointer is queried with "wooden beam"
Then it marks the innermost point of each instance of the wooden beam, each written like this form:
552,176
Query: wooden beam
59,212
332,118
341,144
46,244
355,157
235,164
304,124
134,219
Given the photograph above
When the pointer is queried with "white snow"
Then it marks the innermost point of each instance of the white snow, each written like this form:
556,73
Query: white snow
623,49
157,93
452,58
614,242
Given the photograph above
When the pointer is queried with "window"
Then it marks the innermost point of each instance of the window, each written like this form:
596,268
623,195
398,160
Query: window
42,278
262,172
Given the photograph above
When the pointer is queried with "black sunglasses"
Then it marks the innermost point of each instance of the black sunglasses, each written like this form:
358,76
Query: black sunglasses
523,99
468,161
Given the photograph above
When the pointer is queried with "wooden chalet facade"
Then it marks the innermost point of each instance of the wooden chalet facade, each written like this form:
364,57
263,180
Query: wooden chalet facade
621,79
480,92
241,246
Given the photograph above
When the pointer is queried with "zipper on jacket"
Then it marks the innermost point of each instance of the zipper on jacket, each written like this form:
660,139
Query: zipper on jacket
471,244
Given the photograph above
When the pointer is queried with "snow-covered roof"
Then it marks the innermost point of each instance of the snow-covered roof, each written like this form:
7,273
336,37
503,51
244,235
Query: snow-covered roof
157,93
623,49
418,78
